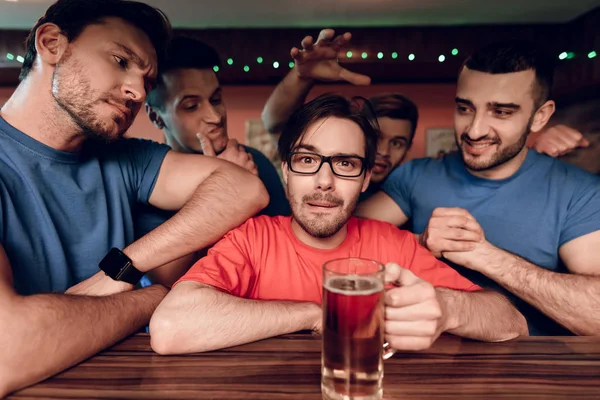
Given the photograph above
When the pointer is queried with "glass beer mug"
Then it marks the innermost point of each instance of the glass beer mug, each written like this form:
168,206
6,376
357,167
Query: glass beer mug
353,330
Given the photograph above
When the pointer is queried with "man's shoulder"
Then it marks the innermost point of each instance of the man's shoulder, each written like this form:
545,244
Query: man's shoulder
134,144
425,165
129,152
566,173
405,179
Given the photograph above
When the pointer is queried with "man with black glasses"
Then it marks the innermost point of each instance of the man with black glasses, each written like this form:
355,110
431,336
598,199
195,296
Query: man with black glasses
264,278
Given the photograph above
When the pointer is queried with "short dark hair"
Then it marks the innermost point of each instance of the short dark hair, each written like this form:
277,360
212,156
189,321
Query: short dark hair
73,16
325,106
516,56
396,106
182,53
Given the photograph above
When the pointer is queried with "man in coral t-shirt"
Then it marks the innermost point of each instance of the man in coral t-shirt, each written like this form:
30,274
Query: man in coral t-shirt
264,278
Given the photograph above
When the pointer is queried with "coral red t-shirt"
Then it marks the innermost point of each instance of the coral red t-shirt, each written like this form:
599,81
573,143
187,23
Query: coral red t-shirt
264,260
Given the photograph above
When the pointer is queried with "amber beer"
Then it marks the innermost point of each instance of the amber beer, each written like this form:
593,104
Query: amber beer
353,331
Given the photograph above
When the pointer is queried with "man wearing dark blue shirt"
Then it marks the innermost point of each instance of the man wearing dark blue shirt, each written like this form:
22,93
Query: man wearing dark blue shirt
188,106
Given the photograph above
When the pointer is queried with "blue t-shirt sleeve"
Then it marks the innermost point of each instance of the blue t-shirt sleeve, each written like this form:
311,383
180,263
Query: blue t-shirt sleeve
583,211
399,186
278,204
140,162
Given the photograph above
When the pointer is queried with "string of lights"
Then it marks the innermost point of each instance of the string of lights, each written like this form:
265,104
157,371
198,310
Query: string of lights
350,55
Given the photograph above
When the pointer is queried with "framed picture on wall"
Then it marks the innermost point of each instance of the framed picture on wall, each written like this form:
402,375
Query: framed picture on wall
440,141
260,139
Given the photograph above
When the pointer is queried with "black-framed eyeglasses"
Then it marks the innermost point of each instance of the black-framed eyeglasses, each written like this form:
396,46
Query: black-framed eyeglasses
307,163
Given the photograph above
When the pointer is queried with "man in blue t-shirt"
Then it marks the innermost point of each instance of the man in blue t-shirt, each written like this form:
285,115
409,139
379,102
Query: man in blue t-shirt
69,183
397,115
505,216
188,106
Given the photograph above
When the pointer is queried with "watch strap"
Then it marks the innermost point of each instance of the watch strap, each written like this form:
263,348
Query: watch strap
119,267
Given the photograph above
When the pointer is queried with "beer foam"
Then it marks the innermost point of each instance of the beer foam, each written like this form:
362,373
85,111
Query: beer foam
353,285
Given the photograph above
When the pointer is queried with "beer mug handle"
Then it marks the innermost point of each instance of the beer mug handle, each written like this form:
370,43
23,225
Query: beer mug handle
387,351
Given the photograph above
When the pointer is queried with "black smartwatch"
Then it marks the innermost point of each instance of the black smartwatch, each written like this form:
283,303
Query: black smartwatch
120,267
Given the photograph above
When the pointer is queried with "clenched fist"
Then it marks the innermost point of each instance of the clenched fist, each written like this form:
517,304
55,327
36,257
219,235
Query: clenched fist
451,230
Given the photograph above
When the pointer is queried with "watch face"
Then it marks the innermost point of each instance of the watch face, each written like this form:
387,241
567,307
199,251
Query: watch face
119,267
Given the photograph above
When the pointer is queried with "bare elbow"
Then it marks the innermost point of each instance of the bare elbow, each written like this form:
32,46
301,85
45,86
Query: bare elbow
523,328
264,116
4,385
162,334
168,335
269,123
250,192
8,382
512,334
166,339
10,378
264,197
518,328
259,195
586,330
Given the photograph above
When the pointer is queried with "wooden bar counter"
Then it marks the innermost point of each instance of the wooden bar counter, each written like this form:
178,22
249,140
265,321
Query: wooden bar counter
288,367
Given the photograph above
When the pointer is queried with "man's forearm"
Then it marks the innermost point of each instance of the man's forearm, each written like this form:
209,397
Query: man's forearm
44,334
168,274
571,300
287,97
205,319
484,315
222,202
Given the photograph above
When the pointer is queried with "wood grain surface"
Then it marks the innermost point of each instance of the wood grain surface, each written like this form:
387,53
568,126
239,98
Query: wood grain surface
288,367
